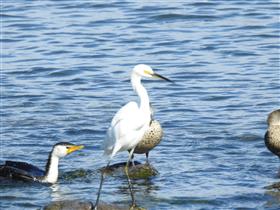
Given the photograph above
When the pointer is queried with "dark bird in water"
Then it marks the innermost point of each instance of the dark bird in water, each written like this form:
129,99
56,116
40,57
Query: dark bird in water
16,170
151,138
272,135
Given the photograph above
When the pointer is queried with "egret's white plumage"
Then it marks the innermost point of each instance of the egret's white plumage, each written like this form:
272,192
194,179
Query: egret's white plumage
131,121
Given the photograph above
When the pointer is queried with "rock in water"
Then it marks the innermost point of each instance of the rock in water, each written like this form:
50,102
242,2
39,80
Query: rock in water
80,205
138,171
69,205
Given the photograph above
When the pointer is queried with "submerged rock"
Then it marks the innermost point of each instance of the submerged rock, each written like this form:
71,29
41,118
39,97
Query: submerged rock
69,205
137,171
81,205
76,174
274,186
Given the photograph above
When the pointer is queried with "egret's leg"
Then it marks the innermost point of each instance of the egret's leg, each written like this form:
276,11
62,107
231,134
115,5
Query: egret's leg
147,158
100,186
132,160
128,179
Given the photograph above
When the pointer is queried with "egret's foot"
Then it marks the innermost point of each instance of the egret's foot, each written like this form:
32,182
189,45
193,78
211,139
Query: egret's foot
132,207
147,163
135,207
133,164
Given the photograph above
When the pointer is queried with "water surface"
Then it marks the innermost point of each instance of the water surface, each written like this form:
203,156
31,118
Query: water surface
65,72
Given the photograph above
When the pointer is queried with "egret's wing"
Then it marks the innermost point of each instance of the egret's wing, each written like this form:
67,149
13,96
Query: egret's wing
124,112
124,126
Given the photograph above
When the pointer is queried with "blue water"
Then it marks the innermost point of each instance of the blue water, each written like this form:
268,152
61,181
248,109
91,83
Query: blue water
65,70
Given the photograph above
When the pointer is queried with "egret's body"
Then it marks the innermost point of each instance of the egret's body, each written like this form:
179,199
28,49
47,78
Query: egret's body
126,129
130,122
272,136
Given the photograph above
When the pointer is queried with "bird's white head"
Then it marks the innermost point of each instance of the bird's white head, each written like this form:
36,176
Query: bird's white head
62,149
143,70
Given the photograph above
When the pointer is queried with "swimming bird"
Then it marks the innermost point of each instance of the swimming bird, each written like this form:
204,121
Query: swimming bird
16,170
272,135
151,139
130,123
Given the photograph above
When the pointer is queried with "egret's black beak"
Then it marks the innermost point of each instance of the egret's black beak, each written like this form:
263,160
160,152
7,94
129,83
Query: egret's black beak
161,77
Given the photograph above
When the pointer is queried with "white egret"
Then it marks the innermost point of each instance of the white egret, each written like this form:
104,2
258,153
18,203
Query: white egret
130,123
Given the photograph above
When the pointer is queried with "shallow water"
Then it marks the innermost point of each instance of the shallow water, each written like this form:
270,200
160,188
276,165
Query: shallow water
65,72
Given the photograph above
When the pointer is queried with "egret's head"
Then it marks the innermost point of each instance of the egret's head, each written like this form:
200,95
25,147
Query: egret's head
143,70
274,118
146,71
62,149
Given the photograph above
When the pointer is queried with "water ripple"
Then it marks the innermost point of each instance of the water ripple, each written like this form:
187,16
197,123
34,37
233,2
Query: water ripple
65,72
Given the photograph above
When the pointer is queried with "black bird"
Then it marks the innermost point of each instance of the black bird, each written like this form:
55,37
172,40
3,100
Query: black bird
272,135
16,170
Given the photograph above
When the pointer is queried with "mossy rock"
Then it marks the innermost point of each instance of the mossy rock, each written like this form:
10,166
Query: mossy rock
69,205
81,205
274,186
78,173
137,171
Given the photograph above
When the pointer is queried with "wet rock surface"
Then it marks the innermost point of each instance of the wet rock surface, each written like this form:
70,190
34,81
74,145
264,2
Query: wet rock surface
136,171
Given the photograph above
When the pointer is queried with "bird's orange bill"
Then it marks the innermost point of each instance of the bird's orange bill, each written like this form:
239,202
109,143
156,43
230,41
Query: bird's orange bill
74,148
161,77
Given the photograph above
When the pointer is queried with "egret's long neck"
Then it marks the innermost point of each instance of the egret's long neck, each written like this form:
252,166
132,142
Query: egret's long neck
51,175
142,93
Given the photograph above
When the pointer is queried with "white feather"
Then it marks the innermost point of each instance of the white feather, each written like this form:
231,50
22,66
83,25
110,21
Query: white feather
126,130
